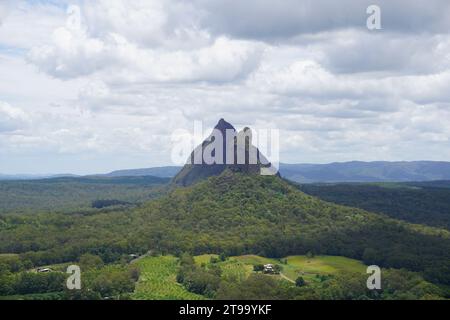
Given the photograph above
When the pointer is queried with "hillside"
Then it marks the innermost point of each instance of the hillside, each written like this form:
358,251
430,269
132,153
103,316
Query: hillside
425,202
239,213
235,214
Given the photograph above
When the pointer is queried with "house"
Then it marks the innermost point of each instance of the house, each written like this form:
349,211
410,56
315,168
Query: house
268,268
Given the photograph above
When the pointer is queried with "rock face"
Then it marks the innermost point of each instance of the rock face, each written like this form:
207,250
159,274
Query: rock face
223,149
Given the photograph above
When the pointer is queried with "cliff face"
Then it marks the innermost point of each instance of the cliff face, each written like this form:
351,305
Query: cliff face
223,149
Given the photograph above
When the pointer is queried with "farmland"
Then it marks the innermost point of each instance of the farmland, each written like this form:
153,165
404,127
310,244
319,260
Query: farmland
158,274
158,280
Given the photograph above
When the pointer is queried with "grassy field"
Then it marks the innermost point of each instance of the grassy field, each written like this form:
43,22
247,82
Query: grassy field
158,280
308,268
158,274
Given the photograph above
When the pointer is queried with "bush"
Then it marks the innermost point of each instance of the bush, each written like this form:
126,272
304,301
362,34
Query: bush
300,282
258,267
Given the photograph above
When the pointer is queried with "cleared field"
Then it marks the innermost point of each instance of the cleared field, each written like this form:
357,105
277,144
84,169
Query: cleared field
158,274
306,267
204,258
158,280
326,264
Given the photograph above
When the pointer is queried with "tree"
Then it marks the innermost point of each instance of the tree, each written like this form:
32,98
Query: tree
223,256
300,282
258,267
277,269
369,256
90,261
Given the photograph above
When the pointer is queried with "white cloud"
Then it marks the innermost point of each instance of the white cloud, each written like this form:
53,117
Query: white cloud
28,24
74,54
11,118
109,95
112,40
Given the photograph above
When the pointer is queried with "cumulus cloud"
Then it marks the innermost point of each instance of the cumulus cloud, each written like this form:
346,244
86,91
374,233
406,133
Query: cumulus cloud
11,118
116,85
281,20
115,42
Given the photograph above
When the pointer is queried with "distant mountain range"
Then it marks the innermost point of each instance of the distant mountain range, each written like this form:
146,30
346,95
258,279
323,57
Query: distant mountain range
161,172
354,171
357,171
4,177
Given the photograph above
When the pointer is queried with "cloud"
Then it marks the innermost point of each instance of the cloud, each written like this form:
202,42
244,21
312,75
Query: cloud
276,21
111,40
75,54
108,95
11,118
352,51
307,78
28,23
5,7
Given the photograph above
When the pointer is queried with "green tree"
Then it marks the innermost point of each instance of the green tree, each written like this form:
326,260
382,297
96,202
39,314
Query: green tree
258,267
90,261
300,282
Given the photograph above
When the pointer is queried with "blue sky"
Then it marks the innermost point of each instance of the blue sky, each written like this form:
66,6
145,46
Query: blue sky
110,92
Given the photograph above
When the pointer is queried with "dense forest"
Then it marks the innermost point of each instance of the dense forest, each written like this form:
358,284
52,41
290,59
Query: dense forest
232,214
417,202
68,194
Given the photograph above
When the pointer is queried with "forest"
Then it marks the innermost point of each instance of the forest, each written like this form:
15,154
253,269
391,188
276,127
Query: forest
231,214
416,202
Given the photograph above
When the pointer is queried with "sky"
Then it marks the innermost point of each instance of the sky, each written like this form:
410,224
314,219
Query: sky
99,85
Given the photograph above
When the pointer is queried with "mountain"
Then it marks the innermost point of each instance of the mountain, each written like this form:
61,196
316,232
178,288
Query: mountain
240,213
358,171
354,171
225,148
7,177
161,172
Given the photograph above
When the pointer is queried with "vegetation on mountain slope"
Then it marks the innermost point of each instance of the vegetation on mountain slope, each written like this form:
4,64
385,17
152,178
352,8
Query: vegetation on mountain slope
423,203
233,214
69,194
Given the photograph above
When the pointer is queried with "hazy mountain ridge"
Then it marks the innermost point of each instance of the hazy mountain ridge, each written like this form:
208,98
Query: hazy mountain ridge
353,171
358,171
160,172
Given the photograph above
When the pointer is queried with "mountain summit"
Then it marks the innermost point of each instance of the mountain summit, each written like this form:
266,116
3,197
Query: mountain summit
223,149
